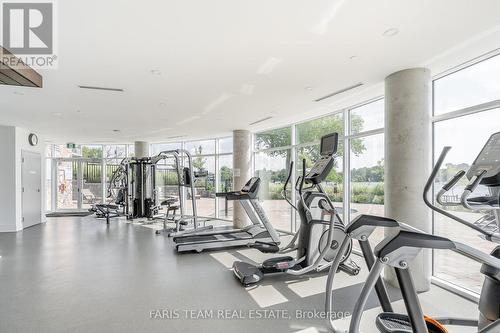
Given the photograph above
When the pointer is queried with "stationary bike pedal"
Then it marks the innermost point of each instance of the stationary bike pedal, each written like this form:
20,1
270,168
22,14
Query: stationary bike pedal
389,322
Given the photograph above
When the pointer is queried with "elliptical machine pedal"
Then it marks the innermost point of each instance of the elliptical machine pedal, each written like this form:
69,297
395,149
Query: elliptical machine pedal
317,242
265,247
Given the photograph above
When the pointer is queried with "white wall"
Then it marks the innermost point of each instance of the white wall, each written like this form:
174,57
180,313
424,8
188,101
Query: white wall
23,144
13,141
8,179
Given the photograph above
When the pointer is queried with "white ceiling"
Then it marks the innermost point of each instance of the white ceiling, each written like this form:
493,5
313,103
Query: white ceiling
227,63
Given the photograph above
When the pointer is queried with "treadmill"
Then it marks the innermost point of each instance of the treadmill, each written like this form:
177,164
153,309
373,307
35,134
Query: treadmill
261,229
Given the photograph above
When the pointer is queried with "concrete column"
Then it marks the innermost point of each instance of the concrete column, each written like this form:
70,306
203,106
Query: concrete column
141,149
408,159
242,168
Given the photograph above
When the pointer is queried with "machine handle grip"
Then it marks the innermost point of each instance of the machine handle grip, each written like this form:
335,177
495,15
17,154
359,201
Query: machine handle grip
472,186
290,170
323,204
454,180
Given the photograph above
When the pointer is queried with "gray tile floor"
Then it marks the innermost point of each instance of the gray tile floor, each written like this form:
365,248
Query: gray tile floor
80,275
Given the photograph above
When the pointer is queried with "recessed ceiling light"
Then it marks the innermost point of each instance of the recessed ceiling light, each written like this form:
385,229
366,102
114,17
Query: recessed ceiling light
391,32
56,114
155,72
116,130
18,93
309,88
269,66
353,57
162,105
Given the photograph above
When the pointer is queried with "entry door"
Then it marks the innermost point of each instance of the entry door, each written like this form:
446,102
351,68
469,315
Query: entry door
68,190
90,175
31,189
79,184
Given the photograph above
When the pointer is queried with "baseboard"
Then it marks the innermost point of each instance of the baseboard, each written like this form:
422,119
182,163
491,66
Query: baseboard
7,228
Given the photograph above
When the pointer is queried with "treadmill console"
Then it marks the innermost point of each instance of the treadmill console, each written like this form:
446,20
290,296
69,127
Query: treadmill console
252,186
324,165
249,191
488,161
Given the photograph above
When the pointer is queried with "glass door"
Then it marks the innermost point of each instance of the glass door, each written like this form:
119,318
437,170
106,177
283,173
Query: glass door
91,177
67,197
79,183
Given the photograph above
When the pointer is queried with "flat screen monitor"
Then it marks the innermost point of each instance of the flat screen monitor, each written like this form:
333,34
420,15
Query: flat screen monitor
329,144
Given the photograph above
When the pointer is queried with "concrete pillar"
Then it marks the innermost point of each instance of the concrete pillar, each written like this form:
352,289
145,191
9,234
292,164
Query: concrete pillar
408,159
242,168
141,149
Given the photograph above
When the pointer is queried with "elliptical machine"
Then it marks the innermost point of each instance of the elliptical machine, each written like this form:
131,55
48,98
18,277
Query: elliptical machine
317,241
399,250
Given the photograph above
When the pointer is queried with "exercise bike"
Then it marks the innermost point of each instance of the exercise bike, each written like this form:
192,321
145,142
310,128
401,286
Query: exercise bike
317,241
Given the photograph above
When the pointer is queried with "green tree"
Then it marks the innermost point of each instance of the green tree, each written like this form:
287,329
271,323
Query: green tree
374,174
279,176
226,178
199,162
311,132
91,152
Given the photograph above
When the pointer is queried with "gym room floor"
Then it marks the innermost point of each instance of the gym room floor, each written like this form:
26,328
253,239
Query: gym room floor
77,274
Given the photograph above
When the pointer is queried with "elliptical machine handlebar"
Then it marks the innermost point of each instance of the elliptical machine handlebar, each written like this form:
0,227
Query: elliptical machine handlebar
471,187
490,236
449,185
301,186
283,191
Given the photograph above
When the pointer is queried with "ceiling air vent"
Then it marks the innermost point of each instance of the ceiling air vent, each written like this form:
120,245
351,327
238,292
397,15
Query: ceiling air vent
260,120
100,88
339,92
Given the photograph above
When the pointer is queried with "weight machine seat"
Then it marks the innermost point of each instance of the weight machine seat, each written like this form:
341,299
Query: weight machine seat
108,206
169,201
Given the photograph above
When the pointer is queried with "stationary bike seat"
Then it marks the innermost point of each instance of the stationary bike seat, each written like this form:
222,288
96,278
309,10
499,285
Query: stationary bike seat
389,322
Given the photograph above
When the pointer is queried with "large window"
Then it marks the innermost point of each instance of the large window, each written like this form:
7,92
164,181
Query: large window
281,137
272,167
204,169
447,265
469,87
367,179
212,165
225,175
275,149
312,131
77,176
466,131
308,136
